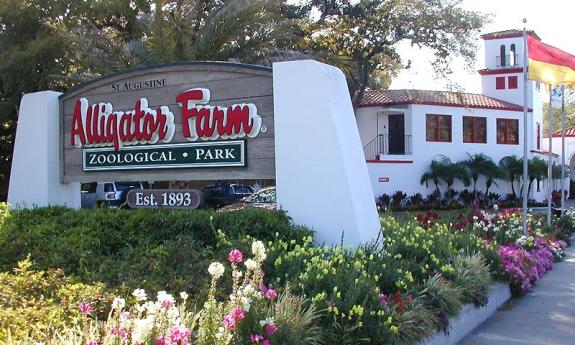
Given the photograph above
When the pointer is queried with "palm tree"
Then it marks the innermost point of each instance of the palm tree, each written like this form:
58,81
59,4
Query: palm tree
442,169
537,171
434,174
476,166
492,172
512,167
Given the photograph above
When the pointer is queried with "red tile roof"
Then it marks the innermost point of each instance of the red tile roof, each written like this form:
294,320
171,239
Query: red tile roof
569,132
508,34
375,98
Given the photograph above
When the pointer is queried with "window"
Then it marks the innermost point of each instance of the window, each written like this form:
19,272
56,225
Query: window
502,55
89,187
512,56
108,187
538,85
508,131
474,129
500,83
512,82
438,127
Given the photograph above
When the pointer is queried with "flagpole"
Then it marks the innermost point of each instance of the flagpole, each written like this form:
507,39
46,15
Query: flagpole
562,149
549,165
525,130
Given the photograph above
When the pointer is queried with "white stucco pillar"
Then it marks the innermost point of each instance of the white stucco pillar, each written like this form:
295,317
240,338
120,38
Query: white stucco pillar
321,174
35,174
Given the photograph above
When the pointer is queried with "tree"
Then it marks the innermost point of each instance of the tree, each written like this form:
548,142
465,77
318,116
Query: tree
476,165
56,44
441,168
512,167
556,113
537,168
492,172
361,37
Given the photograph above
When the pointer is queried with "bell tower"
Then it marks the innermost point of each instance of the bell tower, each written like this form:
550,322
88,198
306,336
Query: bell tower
502,77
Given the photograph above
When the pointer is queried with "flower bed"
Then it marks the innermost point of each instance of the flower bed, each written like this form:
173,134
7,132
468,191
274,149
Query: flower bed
280,288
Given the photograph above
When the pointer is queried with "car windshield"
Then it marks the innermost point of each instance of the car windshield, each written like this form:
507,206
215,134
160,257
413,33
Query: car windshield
242,189
267,195
120,186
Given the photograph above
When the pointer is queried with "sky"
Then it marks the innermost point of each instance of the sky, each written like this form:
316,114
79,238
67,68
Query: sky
552,20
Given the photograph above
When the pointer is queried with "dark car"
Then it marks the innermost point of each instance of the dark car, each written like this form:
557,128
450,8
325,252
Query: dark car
264,198
225,194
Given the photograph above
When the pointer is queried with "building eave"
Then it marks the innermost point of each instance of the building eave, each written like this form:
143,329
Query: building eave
438,104
501,71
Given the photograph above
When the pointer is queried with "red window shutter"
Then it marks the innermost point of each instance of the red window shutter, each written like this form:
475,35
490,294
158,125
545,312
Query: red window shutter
500,83
512,82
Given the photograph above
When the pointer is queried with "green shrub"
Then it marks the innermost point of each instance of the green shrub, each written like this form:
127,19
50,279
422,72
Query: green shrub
441,294
151,249
471,275
37,304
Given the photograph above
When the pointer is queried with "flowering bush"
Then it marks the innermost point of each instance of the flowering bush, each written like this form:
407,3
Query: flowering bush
505,227
36,304
246,316
395,293
523,267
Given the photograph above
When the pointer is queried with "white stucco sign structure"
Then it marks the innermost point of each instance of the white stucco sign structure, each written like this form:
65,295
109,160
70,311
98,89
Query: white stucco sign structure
204,121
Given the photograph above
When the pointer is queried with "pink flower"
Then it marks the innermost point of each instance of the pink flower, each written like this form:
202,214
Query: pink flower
179,335
255,339
383,299
235,256
85,308
167,303
270,329
266,342
161,341
237,313
91,342
263,288
229,322
271,294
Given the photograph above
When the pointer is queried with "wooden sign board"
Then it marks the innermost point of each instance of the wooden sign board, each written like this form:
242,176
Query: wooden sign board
164,198
186,121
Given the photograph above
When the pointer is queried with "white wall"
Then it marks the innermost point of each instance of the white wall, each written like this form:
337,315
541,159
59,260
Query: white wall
406,172
492,49
321,175
35,174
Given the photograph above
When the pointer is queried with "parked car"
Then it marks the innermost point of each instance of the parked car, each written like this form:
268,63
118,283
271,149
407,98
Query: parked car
111,194
219,195
265,199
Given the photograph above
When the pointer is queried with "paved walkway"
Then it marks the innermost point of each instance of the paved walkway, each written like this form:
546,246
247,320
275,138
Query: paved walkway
545,316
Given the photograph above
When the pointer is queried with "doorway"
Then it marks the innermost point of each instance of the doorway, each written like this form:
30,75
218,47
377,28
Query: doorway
396,133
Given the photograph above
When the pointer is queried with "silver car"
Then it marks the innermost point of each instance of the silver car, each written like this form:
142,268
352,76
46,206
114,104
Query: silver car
111,194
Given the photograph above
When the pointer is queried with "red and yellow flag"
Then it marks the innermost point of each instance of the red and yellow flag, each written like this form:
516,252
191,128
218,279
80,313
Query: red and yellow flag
548,64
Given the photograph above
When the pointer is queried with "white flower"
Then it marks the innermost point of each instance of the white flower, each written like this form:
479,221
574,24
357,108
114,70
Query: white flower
151,307
495,207
237,274
251,264
140,295
173,313
118,303
259,251
165,299
142,330
184,295
267,321
216,270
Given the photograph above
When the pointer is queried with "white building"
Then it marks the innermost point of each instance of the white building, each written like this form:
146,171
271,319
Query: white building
402,130
569,154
